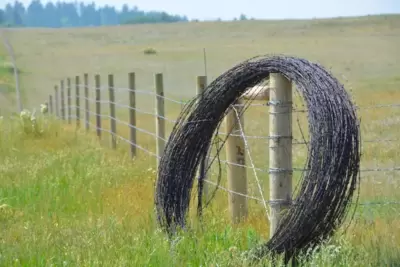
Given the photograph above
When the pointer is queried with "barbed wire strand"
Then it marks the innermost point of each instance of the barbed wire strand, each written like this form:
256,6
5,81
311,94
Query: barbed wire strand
294,169
180,102
141,111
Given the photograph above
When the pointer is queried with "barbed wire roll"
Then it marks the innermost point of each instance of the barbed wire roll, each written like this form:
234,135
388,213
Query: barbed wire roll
325,190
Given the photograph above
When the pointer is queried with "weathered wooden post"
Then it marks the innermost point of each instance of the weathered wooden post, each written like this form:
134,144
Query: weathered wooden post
87,108
56,100
98,106
236,169
132,114
280,147
160,116
77,103
69,114
62,96
235,152
113,125
51,104
201,86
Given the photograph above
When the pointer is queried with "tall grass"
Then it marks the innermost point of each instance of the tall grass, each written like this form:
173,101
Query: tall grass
65,200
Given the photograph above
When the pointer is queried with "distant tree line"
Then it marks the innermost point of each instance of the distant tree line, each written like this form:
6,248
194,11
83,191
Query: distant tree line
74,14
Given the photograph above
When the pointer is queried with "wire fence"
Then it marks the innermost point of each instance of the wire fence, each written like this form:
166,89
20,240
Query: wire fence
11,53
66,104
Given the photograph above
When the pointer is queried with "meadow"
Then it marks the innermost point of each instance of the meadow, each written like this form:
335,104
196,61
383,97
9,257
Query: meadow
68,199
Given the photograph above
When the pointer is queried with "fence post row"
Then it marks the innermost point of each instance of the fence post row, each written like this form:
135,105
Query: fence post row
201,83
69,114
51,104
280,147
113,125
62,96
236,171
78,109
280,141
98,105
132,114
160,116
56,100
86,92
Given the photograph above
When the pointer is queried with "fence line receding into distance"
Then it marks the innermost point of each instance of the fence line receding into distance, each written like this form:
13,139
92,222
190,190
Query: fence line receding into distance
61,104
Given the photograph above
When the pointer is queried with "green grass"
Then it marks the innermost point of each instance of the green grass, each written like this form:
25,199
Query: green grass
67,199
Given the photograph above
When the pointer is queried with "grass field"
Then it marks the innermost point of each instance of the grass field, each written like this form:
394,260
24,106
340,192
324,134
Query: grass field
67,200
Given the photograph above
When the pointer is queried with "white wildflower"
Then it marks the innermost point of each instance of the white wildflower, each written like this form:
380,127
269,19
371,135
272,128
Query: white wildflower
25,114
33,117
43,108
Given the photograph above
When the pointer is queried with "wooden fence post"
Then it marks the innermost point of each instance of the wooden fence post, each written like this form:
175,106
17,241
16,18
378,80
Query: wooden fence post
201,86
69,114
51,104
78,108
62,96
160,117
56,100
236,170
132,113
113,126
87,118
98,106
280,147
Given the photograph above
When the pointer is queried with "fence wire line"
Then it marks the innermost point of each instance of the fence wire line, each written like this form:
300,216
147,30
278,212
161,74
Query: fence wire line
294,169
252,197
105,88
366,203
141,111
155,135
147,92
261,200
122,138
11,53
221,160
173,188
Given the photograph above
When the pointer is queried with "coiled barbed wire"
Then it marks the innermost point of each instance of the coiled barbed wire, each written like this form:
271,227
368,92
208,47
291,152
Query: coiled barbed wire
325,190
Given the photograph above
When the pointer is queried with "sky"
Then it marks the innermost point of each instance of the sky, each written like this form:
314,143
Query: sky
259,9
